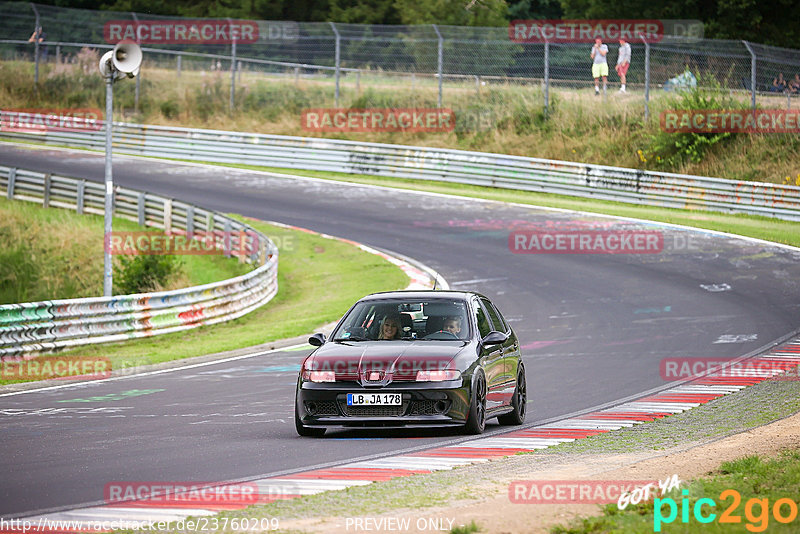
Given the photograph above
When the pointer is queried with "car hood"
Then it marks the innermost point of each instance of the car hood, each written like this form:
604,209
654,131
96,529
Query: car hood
396,360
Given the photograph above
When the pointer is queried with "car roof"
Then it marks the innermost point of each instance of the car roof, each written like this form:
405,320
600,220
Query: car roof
422,294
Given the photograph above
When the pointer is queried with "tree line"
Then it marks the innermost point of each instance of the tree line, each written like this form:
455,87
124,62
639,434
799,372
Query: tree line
772,22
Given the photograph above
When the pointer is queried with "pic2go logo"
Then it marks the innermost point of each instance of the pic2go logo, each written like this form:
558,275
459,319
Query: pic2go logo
702,511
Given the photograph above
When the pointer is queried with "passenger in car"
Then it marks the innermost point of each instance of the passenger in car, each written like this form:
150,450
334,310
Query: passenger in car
390,327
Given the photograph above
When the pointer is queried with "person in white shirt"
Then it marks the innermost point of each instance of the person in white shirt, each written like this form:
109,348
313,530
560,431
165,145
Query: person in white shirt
599,64
623,62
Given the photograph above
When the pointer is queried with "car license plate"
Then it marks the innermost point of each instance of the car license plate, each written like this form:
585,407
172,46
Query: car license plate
374,399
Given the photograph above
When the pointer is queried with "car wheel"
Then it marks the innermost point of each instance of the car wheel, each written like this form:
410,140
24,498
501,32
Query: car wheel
476,418
518,402
306,431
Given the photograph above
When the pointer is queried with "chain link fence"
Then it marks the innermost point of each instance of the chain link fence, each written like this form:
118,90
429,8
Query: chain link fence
363,66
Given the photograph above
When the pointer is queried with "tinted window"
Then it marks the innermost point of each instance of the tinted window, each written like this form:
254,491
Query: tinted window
431,319
497,319
484,327
498,324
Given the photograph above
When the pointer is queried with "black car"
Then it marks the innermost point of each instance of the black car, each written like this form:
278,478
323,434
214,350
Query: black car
413,358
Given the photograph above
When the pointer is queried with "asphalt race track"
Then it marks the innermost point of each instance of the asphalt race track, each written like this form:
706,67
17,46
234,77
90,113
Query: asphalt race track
594,328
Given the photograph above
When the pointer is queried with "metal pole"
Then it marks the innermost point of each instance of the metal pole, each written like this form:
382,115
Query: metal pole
337,59
646,80
36,48
233,72
139,76
440,61
546,77
752,75
109,199
179,66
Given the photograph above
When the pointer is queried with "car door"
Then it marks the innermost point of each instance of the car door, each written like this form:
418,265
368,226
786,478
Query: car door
491,358
511,352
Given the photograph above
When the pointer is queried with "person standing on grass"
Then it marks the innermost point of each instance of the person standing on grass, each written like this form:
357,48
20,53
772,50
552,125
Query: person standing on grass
623,62
600,64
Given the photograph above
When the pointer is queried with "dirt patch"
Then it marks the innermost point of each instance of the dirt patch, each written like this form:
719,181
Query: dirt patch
495,513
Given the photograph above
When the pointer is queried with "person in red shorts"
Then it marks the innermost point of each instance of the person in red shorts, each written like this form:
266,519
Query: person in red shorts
623,62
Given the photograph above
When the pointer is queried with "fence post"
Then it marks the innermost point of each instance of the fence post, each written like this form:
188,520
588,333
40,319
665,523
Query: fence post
179,65
358,81
239,69
12,180
58,54
546,77
233,67
337,59
81,197
440,61
752,74
296,74
646,80
36,48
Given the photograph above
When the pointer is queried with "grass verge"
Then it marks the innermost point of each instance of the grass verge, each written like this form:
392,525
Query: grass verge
318,280
54,253
747,489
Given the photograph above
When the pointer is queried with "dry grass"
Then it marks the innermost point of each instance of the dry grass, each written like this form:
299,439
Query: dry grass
580,126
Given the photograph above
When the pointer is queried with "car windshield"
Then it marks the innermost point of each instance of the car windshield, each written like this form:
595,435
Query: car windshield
436,319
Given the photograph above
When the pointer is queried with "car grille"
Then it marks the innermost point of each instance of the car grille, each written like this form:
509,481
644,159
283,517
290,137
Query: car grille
374,411
424,407
327,408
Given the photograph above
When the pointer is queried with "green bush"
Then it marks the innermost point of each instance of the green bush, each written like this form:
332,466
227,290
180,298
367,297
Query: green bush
142,274
672,149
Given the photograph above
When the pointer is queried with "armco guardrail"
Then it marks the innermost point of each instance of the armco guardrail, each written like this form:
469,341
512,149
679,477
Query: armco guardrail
458,166
35,327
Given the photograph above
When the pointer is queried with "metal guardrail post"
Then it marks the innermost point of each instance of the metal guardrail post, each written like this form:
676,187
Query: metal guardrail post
439,61
81,194
227,242
179,66
190,220
12,179
752,74
337,59
546,77
141,199
46,196
646,80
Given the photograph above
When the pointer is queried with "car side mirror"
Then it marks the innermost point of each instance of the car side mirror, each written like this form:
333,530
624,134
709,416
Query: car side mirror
494,338
317,340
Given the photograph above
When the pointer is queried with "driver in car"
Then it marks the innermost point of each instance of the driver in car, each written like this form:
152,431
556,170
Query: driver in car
390,327
452,325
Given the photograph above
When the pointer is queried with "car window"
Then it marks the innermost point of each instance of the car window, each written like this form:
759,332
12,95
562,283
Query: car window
433,319
484,327
497,320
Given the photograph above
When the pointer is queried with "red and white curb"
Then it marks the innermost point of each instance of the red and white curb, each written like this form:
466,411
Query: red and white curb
779,360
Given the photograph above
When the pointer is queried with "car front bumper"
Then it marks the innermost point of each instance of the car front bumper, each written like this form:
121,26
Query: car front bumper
430,403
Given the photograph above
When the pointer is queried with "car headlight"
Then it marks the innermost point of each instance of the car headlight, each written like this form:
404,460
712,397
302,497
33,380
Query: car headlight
438,376
311,375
